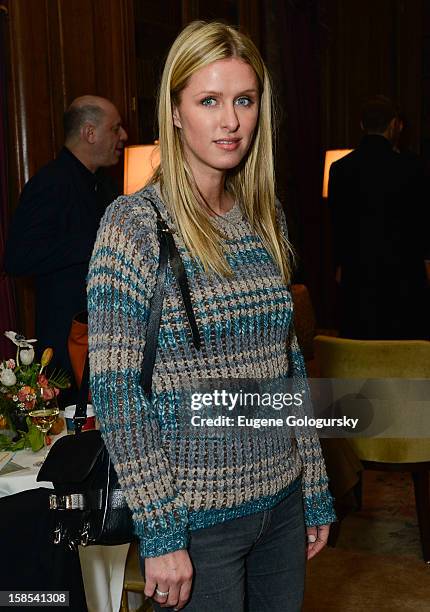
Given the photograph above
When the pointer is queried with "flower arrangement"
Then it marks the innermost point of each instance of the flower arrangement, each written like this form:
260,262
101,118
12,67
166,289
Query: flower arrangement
24,386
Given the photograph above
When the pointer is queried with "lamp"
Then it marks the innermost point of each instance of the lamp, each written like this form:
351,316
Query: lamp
140,161
330,157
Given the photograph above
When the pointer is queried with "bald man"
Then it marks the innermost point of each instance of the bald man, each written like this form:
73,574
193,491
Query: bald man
55,224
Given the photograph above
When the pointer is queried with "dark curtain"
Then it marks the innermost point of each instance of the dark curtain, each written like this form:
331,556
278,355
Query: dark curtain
7,301
293,34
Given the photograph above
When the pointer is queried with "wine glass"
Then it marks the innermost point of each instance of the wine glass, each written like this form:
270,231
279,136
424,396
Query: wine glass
43,416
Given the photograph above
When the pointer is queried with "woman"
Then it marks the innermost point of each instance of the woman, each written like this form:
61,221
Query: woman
220,514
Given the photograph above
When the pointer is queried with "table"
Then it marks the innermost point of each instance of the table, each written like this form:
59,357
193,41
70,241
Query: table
24,479
102,566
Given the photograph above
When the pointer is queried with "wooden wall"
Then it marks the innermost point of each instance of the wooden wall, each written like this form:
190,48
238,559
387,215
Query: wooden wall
425,81
371,47
57,51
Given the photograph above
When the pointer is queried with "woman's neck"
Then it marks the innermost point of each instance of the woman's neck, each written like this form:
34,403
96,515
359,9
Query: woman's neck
212,190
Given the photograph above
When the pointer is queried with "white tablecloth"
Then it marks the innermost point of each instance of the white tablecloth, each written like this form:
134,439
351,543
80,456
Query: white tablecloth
102,566
22,480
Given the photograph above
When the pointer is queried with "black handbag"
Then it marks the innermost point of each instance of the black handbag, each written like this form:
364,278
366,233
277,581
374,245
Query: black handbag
89,504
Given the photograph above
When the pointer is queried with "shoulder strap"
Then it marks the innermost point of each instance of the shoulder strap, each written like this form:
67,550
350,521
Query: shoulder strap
179,273
154,319
168,252
81,403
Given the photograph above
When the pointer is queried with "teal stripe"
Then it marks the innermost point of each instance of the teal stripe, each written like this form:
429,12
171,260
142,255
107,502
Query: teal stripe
121,259
118,276
319,509
207,518
118,300
249,257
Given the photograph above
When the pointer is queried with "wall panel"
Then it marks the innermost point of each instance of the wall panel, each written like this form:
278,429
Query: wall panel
59,50
78,46
371,48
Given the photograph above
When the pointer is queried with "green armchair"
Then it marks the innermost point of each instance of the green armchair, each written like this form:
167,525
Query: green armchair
372,359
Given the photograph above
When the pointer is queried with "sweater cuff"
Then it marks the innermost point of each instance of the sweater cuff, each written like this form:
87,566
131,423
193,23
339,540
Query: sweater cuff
319,509
162,542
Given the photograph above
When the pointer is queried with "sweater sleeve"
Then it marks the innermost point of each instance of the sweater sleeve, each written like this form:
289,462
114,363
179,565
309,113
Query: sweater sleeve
121,281
317,500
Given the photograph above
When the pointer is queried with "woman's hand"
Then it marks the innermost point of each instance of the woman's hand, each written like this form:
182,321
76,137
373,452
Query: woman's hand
171,574
317,539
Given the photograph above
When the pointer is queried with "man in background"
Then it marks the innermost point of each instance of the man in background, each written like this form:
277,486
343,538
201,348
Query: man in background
53,230
380,213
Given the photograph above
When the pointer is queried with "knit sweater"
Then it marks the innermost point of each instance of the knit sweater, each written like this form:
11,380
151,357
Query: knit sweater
177,479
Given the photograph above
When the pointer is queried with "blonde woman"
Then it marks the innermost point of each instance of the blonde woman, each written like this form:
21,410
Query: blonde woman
221,515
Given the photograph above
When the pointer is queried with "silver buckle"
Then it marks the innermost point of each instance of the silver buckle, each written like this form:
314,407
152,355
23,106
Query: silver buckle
74,501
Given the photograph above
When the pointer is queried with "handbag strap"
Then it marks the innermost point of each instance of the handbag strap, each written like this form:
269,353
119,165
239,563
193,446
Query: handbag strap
178,269
168,253
81,404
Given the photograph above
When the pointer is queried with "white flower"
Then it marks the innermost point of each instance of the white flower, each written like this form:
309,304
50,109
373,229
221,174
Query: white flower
26,355
7,378
19,340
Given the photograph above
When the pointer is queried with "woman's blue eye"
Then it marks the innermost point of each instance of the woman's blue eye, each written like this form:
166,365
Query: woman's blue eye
209,102
244,101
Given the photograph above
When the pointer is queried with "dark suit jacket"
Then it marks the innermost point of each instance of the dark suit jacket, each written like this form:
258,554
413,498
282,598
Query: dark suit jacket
380,217
51,237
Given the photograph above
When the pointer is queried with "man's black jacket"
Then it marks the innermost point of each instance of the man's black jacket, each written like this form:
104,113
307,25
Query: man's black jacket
51,238
380,215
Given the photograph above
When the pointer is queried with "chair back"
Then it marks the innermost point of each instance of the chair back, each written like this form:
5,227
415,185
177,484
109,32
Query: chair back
372,359
345,358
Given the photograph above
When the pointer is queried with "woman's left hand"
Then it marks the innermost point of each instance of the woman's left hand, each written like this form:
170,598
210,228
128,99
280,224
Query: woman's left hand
317,538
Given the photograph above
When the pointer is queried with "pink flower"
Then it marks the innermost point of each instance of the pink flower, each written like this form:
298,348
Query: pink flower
42,381
47,393
25,394
26,397
10,363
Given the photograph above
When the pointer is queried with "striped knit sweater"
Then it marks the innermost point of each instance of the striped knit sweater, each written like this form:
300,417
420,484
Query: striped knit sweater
176,481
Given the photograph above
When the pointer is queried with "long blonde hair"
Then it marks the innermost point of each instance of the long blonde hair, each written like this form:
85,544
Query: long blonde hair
252,183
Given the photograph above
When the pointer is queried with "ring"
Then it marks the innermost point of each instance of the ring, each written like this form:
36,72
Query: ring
161,593
312,538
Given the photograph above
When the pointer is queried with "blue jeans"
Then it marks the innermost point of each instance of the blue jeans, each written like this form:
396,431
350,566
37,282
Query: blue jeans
253,564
